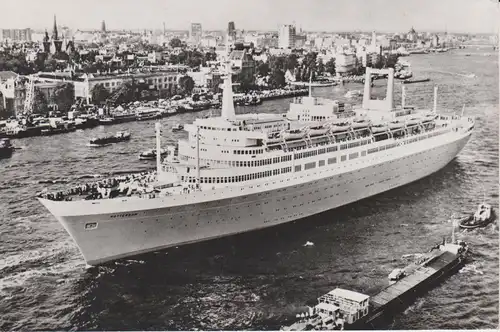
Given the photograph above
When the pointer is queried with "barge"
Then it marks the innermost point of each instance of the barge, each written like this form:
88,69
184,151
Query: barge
344,309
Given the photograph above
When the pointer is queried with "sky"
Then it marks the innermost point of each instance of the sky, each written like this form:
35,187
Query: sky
472,16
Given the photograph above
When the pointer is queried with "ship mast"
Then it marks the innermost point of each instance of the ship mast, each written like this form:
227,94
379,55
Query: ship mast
227,112
158,151
197,157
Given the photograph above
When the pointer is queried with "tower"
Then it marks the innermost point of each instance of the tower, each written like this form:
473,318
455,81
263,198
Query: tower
103,26
55,37
46,42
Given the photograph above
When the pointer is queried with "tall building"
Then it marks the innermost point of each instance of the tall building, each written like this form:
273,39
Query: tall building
195,33
231,29
103,26
286,36
23,35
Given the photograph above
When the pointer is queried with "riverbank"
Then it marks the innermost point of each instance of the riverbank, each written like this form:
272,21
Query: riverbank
136,111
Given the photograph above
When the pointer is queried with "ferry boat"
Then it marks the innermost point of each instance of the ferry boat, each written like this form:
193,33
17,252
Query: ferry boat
120,136
239,173
147,114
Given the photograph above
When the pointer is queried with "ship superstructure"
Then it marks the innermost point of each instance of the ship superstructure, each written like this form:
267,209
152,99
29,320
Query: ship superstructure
237,173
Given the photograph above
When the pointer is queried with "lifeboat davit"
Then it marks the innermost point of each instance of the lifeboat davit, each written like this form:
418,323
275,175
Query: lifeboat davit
317,131
293,134
396,125
357,124
379,128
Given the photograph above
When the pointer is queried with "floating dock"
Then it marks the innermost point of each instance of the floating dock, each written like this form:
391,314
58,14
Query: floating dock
343,309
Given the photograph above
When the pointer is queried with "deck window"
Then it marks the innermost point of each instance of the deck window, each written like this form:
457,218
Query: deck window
309,165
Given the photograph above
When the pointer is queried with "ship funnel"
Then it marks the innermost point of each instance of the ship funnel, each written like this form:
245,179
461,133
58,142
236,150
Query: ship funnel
227,112
379,105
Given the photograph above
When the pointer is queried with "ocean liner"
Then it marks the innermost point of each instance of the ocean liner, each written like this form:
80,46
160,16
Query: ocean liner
239,173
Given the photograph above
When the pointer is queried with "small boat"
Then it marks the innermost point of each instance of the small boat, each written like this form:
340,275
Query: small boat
410,81
429,117
357,124
339,127
412,121
380,128
317,131
353,93
177,127
396,275
396,125
6,148
293,134
107,140
481,217
106,121
151,154
147,114
274,138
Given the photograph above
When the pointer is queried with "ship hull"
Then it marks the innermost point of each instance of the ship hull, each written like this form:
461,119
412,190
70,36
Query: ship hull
130,226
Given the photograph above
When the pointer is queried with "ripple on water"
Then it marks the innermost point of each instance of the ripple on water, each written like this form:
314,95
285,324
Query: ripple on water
258,280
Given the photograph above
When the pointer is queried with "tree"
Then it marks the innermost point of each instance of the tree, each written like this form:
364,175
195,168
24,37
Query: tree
263,69
175,42
186,83
330,66
64,96
321,66
40,105
99,94
291,62
277,79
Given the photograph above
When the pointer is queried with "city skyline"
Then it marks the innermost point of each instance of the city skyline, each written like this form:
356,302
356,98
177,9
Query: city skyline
474,16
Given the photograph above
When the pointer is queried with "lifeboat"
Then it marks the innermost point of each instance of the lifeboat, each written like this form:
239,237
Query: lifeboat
396,125
339,127
357,124
273,138
380,128
412,121
293,134
317,131
429,117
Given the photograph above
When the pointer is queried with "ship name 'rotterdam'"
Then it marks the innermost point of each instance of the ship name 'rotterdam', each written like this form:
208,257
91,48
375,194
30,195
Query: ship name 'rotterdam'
238,173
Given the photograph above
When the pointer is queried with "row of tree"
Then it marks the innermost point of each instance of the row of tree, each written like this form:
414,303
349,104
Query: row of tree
62,99
134,90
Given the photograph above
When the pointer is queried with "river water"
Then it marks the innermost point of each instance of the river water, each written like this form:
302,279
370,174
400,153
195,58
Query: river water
256,280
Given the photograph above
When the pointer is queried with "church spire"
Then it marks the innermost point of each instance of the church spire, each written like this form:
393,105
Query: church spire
54,30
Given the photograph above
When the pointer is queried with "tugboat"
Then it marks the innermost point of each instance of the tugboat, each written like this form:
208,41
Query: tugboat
6,148
482,217
151,154
107,140
177,127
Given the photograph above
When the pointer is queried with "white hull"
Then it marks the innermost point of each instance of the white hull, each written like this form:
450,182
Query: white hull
129,226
